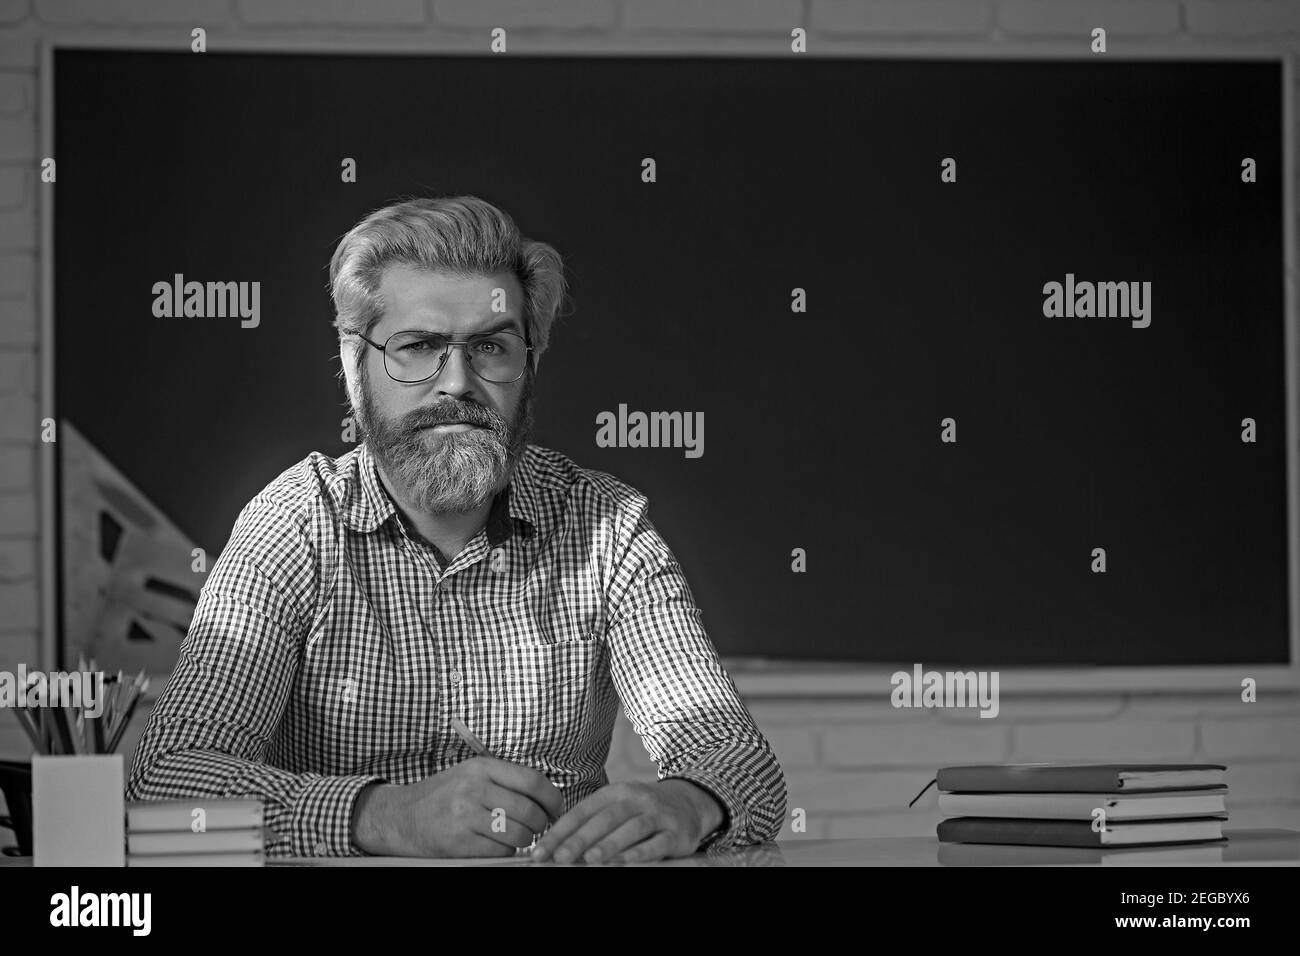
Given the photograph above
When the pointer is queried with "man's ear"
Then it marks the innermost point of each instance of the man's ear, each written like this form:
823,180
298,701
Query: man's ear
350,360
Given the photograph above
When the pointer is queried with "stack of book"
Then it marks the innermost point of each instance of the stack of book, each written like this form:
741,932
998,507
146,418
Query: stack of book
1083,805
198,832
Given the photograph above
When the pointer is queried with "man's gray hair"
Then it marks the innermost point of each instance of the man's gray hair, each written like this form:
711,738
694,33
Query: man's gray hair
461,235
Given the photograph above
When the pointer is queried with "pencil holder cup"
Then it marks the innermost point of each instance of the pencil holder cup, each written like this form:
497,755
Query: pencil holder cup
16,785
78,810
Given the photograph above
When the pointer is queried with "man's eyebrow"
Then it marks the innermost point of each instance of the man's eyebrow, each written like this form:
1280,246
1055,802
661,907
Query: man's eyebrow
505,324
510,324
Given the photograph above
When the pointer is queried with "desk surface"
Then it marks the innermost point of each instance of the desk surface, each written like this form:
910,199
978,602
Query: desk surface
1240,848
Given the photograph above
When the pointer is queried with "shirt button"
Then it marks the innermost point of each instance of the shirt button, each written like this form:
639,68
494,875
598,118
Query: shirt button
455,677
321,849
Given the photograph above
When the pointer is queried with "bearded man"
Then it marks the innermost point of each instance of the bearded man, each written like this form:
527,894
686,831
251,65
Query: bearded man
418,648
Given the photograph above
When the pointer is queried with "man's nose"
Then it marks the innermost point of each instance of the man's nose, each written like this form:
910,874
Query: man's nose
455,377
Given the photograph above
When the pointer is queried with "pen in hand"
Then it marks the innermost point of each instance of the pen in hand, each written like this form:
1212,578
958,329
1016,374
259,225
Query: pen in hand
480,748
469,737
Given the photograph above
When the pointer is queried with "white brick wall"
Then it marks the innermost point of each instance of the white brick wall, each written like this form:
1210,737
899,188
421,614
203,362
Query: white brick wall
17,468
13,11
137,12
1242,17
852,765
899,19
398,14
17,371
18,322
1054,18
17,516
13,187
17,275
525,15
713,16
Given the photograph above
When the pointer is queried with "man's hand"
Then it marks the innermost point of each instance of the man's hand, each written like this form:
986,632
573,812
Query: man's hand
633,822
453,813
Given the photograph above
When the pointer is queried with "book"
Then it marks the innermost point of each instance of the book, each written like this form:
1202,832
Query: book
1079,778
1156,804
990,854
196,859
213,841
1078,832
152,816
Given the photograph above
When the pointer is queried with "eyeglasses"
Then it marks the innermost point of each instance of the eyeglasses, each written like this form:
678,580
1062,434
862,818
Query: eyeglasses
414,356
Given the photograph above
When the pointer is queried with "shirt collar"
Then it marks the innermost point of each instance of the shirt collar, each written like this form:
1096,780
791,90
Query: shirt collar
367,505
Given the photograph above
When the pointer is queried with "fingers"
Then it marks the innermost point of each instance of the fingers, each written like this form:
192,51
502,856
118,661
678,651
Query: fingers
570,822
657,847
624,822
522,809
526,781
599,825
505,831
633,831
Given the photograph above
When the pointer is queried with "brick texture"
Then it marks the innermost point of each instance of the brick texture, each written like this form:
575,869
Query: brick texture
346,13
525,15
903,18
1237,18
119,13
1054,18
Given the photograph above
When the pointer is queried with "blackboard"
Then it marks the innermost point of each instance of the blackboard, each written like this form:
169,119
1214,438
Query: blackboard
924,301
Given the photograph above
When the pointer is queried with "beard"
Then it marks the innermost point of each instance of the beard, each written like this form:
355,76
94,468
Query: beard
447,472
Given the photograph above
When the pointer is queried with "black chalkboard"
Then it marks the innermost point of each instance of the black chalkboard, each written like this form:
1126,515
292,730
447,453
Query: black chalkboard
924,302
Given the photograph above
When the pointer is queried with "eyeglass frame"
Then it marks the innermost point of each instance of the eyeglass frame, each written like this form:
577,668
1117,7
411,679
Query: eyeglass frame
446,354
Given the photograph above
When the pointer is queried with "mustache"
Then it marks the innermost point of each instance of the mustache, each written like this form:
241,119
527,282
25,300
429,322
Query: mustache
449,412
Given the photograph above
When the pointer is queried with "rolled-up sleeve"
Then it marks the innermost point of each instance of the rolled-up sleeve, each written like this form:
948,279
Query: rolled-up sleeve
209,732
677,694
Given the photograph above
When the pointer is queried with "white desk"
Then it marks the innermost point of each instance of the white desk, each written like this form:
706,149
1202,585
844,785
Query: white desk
1241,848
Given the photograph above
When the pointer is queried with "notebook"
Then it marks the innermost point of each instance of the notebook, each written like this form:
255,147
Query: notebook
1079,778
1078,832
151,816
197,859
213,841
1081,806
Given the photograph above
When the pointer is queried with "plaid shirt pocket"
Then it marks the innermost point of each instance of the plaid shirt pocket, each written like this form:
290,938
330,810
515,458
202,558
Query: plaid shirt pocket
547,699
